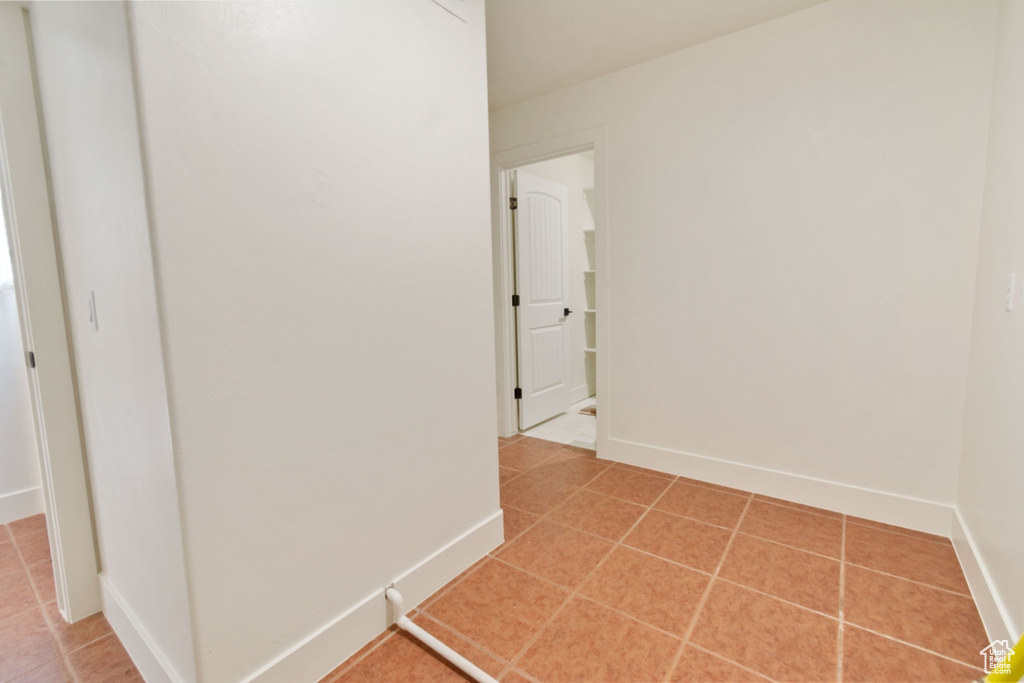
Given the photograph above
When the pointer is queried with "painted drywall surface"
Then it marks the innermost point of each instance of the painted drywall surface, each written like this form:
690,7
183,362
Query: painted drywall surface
793,215
992,470
19,461
89,113
576,172
319,177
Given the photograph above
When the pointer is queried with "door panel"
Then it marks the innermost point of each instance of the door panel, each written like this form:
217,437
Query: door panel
542,275
546,349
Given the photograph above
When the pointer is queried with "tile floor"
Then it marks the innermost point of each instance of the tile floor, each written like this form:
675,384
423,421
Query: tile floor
36,644
614,573
570,427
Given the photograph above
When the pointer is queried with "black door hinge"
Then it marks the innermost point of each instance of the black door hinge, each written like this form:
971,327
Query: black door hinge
518,393
31,359
515,299
513,203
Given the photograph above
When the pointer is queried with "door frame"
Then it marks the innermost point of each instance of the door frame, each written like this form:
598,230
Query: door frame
502,163
39,288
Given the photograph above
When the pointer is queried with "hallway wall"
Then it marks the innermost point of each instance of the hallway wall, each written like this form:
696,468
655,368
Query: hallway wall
288,402
88,107
992,469
793,224
319,203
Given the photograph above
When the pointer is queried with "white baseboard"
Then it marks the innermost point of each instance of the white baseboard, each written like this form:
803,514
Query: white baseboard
577,394
149,659
994,613
881,506
325,649
21,504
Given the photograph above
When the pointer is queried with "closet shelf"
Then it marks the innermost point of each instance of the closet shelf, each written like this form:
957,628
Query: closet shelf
589,350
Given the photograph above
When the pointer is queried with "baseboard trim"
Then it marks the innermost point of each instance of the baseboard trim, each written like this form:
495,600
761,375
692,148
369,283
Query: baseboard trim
149,659
21,504
580,393
994,614
322,651
881,506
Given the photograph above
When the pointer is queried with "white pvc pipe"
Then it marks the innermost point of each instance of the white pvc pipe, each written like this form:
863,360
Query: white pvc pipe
404,622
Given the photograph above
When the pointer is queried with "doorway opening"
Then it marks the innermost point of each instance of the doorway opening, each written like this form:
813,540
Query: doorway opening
20,485
550,240
554,269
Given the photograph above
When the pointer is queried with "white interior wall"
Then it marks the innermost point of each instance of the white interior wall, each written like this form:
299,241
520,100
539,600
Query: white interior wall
992,470
793,215
319,203
576,172
88,107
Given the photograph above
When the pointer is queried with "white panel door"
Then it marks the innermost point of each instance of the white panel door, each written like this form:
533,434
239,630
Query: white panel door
542,280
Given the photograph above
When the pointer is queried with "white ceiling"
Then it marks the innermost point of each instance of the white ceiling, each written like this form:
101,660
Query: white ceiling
538,46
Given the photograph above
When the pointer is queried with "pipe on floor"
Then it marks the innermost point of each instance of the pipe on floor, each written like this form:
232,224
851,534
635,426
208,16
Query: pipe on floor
404,622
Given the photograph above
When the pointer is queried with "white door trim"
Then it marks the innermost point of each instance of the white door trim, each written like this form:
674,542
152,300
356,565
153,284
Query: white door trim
504,318
35,256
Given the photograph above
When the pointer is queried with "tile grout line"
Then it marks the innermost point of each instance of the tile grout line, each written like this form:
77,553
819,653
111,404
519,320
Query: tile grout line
707,592
676,563
735,530
512,665
766,540
790,546
751,497
718,655
622,542
24,573
718,489
505,664
447,588
799,507
844,622
915,646
938,540
913,581
547,461
583,597
842,618
574,592
784,601
61,656
509,664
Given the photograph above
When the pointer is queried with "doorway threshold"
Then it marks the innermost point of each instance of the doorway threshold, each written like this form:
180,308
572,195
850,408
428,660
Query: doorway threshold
570,428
